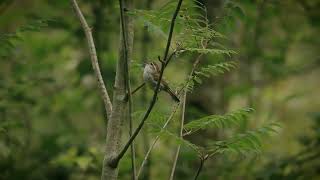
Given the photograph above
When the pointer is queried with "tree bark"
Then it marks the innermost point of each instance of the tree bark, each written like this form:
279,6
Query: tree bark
115,124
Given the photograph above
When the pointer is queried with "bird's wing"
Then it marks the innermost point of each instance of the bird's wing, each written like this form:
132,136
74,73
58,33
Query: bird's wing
156,66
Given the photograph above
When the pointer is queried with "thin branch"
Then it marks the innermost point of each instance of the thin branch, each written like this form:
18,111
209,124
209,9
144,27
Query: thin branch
202,160
216,151
172,54
175,160
158,137
153,101
159,59
195,64
181,134
128,86
136,89
175,108
94,59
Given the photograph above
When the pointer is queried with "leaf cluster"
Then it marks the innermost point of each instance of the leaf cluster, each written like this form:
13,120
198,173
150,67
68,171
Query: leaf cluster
244,143
193,32
241,143
219,121
208,71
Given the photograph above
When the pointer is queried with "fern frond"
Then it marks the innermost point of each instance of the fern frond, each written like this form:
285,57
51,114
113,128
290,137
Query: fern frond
213,70
192,28
219,121
180,141
248,142
209,51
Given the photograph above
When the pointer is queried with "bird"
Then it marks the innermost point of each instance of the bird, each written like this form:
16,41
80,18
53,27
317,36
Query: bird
151,74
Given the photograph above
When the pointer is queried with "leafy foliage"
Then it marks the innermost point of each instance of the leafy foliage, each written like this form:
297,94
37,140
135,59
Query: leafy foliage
209,51
250,141
50,113
244,143
216,69
179,140
210,70
219,121
193,30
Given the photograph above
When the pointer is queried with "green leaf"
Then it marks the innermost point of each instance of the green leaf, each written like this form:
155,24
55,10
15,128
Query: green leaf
197,79
210,51
219,121
245,143
211,70
179,140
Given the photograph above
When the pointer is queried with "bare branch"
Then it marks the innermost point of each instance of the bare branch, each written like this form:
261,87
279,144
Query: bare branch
158,137
202,161
171,55
175,108
94,59
194,66
139,87
159,59
181,134
134,91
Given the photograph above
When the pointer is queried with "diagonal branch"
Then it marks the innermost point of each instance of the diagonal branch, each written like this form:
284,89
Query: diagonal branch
93,57
181,131
175,108
194,66
139,87
153,101
182,89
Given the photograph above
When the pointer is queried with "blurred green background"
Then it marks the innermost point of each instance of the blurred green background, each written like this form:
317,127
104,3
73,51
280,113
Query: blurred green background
52,120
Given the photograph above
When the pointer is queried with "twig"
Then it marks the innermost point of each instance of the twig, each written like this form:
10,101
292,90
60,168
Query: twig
181,133
172,54
116,160
156,140
202,160
159,59
134,91
128,86
139,87
195,64
158,137
199,170
93,57
175,160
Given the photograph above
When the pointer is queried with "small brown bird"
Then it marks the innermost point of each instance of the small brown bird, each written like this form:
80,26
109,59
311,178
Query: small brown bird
151,74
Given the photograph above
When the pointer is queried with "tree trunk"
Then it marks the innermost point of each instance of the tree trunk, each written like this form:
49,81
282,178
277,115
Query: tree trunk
115,124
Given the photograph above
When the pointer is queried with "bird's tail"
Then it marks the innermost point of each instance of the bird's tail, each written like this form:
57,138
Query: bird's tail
173,95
